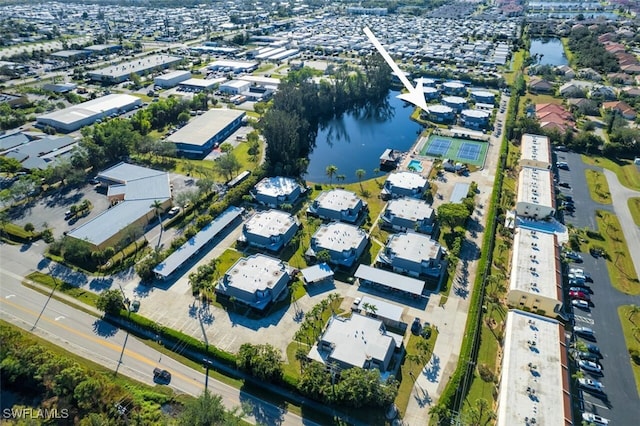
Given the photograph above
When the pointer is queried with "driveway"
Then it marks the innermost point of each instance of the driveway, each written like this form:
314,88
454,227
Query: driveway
623,404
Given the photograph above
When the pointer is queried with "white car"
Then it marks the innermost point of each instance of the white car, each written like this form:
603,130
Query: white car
591,385
591,418
590,367
174,211
582,304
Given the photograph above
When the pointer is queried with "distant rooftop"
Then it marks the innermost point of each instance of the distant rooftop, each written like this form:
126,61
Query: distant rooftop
201,129
91,108
136,66
534,388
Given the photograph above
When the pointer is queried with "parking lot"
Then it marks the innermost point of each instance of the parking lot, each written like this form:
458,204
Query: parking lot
619,401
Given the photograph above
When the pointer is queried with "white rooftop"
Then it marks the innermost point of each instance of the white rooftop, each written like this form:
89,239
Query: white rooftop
535,148
439,109
266,81
454,100
477,113
339,237
255,273
276,186
224,63
413,247
202,128
91,108
356,339
384,309
410,209
172,75
535,379
535,264
136,65
406,180
535,186
338,200
199,82
270,223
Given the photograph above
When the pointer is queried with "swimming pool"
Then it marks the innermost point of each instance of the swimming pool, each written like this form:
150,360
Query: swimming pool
415,165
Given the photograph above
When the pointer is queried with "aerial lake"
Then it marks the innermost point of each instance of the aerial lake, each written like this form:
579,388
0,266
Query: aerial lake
551,50
357,139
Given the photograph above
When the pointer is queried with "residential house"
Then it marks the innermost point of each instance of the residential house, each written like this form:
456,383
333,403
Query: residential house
345,243
603,92
621,108
540,85
404,184
276,191
403,214
339,205
270,230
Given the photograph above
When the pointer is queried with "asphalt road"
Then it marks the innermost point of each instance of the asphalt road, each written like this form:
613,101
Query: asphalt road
621,404
115,349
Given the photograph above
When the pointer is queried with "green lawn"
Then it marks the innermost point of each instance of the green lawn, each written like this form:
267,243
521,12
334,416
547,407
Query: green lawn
81,294
631,330
627,172
634,207
598,186
414,360
619,263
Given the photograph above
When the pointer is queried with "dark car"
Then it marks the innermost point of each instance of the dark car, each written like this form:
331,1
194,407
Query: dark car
594,349
161,376
585,333
565,184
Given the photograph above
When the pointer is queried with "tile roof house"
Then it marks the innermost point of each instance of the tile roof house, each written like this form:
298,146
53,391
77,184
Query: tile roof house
554,116
540,85
622,108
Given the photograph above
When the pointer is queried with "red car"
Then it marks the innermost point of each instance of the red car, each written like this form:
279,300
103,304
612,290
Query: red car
579,295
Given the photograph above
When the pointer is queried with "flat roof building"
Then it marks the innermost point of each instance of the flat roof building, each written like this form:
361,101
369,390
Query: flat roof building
261,81
235,66
535,151
404,214
121,72
413,254
483,96
456,103
389,313
255,281
536,197
206,131
404,184
358,341
339,205
86,113
39,153
201,84
276,191
270,230
345,243
387,280
135,189
475,118
171,79
235,87
535,279
440,113
534,385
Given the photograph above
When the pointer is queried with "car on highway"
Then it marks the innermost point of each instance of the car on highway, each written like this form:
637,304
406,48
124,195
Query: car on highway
161,376
584,332
580,304
595,419
590,367
579,295
591,385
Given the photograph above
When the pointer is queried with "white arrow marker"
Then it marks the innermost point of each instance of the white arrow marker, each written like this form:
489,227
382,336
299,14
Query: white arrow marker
416,94
59,318
10,296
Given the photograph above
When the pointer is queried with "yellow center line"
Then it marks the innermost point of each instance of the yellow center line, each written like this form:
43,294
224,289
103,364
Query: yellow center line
102,342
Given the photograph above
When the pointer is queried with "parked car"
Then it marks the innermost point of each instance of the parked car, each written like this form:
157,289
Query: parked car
582,289
584,332
590,366
576,257
565,184
562,165
356,303
581,304
174,211
579,295
594,349
591,385
591,418
585,356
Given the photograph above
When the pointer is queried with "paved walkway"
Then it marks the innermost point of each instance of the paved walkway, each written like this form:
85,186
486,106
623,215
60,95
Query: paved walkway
619,197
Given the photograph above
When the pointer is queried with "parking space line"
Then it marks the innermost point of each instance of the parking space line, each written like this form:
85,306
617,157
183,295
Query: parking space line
595,404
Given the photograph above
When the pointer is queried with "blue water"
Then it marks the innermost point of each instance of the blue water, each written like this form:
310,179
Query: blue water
551,49
356,140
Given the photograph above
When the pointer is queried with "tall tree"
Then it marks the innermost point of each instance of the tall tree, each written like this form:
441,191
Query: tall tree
331,171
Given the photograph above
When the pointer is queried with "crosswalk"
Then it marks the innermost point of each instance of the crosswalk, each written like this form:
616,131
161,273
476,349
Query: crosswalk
584,319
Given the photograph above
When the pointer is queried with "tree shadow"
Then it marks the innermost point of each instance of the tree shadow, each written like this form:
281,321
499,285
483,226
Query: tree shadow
431,370
100,284
104,329
264,413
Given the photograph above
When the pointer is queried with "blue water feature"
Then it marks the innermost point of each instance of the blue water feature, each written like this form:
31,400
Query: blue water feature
357,139
415,165
551,50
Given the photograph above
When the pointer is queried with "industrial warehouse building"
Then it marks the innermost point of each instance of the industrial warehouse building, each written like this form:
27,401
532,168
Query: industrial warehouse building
206,131
171,79
86,113
122,72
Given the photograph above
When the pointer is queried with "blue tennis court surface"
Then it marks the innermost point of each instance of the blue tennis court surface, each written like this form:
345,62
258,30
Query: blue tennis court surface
469,151
438,147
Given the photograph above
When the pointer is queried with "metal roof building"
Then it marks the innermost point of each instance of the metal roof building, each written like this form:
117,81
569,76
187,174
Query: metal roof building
369,275
121,72
86,113
202,133
197,242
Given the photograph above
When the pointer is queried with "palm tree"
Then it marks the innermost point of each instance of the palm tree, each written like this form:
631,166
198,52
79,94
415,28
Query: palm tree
157,206
331,170
360,174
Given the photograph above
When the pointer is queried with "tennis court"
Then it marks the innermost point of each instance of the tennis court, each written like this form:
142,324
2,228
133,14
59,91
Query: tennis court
458,150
